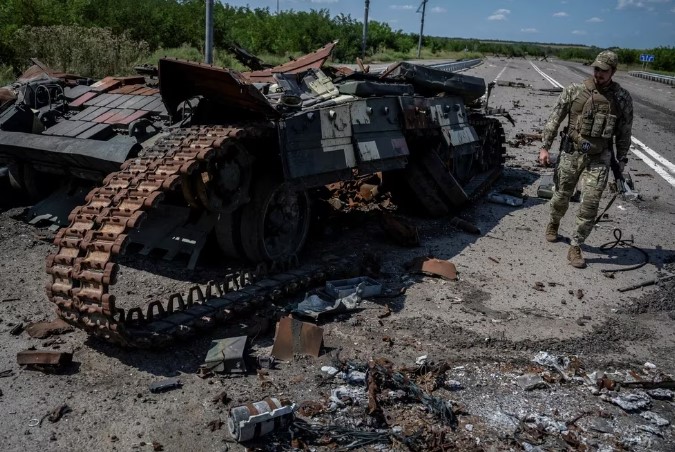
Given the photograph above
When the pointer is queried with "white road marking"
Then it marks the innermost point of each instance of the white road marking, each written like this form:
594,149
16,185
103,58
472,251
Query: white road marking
500,73
662,166
653,165
550,79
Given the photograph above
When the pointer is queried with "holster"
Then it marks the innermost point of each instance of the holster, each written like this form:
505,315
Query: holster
566,142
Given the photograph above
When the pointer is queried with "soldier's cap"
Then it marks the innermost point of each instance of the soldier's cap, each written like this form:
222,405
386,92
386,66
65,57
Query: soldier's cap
606,60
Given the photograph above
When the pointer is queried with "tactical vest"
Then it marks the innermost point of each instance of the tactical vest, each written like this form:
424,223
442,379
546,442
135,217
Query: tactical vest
592,119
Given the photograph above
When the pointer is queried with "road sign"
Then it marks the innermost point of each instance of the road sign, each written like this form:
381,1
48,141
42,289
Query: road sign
646,58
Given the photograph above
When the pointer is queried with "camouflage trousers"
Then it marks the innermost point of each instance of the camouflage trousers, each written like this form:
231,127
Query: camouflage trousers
592,171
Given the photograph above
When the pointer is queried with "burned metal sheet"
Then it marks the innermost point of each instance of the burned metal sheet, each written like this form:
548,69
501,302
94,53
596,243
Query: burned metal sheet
183,80
312,60
294,336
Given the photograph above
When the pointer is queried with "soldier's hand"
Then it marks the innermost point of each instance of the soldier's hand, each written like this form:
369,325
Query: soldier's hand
622,165
544,157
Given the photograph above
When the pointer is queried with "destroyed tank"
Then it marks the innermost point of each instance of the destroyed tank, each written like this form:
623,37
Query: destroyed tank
203,148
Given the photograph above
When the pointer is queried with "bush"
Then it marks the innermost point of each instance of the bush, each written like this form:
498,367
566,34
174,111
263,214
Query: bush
94,52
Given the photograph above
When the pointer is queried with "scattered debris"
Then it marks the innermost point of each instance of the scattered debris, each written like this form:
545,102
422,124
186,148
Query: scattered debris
655,419
530,382
345,287
58,412
221,398
633,401
226,355
507,200
17,329
580,294
434,267
513,84
215,424
42,330
165,385
661,394
266,362
260,418
294,336
314,306
44,359
647,283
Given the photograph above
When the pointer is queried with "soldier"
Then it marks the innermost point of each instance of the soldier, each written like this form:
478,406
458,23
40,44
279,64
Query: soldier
599,111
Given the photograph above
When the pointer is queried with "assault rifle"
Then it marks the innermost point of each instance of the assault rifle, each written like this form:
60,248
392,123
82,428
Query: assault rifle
622,186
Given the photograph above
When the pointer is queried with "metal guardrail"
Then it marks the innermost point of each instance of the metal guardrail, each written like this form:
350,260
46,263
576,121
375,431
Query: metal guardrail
457,65
654,77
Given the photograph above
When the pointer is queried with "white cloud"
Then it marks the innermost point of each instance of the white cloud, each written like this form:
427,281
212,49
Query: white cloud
578,32
595,19
500,14
438,9
529,30
622,4
560,14
405,7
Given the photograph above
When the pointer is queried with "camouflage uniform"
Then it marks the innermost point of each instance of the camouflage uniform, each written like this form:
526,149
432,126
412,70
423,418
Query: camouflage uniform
589,157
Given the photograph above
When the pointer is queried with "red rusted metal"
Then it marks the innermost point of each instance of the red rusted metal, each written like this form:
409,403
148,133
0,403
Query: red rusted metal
312,60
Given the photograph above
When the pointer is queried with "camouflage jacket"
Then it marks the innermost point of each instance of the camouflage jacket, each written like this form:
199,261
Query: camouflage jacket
622,129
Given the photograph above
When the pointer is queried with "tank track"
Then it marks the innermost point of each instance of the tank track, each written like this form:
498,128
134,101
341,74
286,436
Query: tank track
84,269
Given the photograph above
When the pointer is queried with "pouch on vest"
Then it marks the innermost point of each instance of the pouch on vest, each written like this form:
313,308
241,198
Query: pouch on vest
609,126
586,124
598,125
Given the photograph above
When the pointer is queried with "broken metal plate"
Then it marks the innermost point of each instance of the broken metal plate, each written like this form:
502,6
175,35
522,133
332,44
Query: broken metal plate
435,267
294,336
227,355
43,358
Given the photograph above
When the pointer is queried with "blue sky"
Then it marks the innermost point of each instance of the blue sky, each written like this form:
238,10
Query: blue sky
637,24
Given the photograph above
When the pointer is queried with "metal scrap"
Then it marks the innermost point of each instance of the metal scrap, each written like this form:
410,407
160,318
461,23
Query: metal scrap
294,336
44,359
227,355
17,329
165,385
42,330
434,267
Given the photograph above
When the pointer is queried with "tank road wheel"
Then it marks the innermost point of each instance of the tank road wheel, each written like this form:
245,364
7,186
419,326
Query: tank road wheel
275,223
272,226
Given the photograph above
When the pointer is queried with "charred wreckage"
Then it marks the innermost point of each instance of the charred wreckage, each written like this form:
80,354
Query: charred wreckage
237,154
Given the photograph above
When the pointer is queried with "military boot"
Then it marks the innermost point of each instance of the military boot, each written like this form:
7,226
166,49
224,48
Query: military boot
575,257
552,232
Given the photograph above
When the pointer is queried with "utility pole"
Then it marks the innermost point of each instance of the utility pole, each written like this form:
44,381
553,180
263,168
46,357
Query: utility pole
365,30
423,7
277,7
208,42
